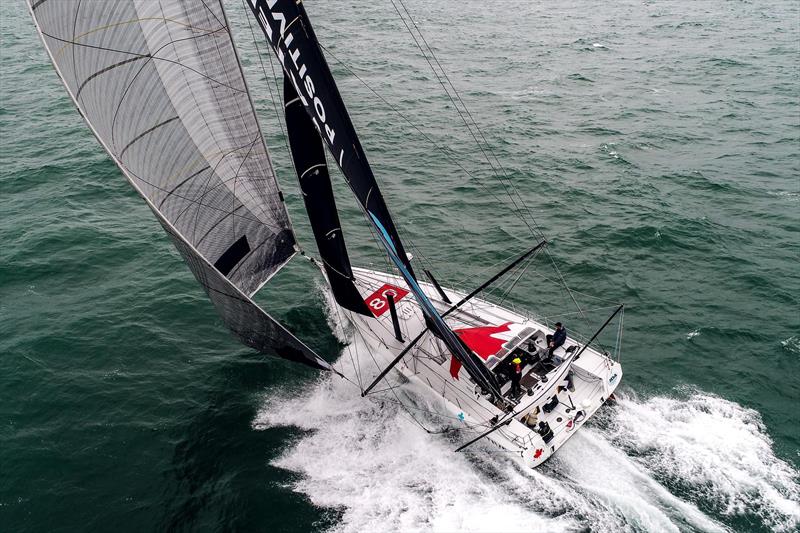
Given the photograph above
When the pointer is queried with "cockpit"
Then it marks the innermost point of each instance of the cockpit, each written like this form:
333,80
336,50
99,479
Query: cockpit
516,353
529,347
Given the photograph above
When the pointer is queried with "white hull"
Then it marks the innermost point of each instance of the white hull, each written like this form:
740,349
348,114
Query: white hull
594,376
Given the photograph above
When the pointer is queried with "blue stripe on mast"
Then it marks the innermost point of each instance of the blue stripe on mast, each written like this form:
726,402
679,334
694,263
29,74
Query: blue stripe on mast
412,283
449,338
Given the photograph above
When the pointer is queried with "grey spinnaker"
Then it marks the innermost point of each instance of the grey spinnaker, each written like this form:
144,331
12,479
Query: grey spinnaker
161,87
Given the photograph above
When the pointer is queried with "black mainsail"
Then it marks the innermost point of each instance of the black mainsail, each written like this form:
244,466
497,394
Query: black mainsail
308,154
161,87
286,26
291,37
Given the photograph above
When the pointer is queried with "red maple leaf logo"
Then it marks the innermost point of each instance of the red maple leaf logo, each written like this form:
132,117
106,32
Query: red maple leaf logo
480,341
538,453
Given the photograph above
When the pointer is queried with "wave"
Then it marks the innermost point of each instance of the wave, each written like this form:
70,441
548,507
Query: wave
714,452
792,344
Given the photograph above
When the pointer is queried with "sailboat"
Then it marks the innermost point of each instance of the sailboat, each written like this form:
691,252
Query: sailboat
161,86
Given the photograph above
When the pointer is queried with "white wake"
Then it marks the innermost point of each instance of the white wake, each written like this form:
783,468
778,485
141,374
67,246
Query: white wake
623,472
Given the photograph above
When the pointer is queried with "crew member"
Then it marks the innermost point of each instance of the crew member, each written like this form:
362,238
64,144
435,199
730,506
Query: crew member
516,376
555,340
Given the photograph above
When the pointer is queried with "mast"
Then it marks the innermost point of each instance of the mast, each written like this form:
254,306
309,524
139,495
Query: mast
286,26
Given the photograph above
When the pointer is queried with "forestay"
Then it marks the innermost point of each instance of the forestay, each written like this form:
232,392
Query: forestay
161,87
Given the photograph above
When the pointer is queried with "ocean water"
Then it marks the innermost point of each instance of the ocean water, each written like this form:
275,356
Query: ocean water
657,144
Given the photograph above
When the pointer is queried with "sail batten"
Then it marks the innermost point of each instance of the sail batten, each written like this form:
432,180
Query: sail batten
308,154
161,87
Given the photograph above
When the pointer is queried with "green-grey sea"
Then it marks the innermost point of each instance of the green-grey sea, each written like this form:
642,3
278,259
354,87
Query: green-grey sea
657,145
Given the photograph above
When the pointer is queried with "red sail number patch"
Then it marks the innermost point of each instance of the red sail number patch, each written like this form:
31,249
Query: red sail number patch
377,301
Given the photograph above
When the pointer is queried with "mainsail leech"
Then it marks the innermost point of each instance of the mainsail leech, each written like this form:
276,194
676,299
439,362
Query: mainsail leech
161,87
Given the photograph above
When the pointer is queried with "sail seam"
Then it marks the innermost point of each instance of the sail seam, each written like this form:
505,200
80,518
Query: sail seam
192,201
224,182
104,70
146,132
139,20
181,184
199,200
217,223
152,56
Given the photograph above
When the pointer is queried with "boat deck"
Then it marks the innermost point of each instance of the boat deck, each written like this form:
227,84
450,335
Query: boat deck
561,396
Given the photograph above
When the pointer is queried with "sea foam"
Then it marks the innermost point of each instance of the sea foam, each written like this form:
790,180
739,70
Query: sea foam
690,462
711,449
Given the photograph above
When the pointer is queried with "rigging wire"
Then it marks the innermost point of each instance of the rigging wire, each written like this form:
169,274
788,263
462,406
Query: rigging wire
480,132
447,429
621,329
447,152
394,392
507,182
426,262
450,96
273,100
582,294
573,313
416,249
480,146
398,402
348,347
522,268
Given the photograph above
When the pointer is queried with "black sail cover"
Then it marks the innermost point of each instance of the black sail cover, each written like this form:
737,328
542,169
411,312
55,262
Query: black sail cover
291,37
161,87
308,154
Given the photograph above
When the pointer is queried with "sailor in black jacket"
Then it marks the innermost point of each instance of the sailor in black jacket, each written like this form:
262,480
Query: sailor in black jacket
555,340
